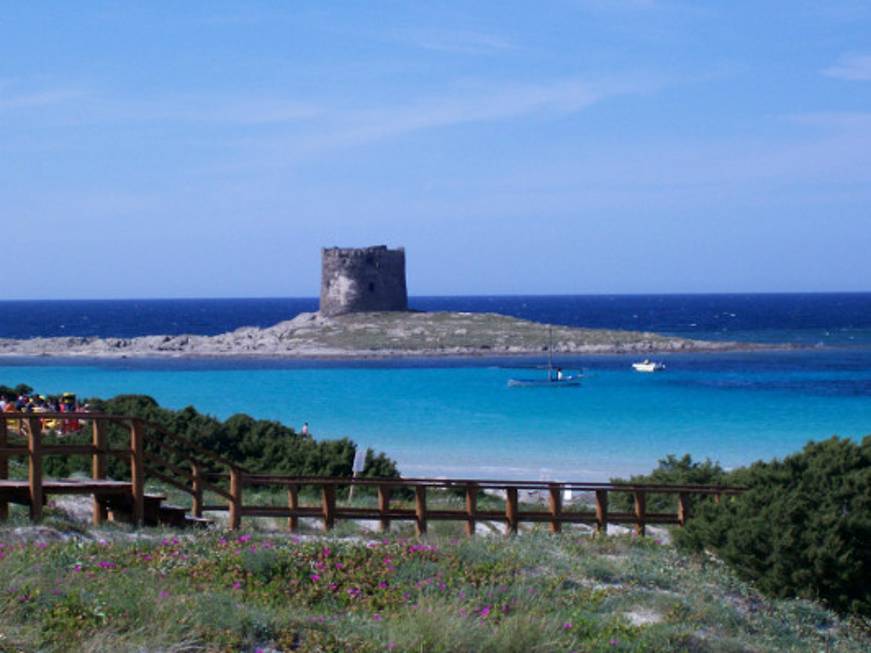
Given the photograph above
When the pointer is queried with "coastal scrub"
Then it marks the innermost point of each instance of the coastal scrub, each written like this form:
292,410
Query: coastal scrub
223,592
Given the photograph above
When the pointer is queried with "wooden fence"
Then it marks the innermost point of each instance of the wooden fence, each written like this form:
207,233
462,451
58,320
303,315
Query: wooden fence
189,473
329,511
21,435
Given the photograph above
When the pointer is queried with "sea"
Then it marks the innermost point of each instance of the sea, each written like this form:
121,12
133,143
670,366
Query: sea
458,418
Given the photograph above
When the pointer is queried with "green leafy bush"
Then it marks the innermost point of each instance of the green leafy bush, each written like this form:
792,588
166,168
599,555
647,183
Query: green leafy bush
803,527
672,470
259,446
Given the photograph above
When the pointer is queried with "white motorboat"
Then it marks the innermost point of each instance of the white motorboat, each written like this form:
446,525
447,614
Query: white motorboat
648,365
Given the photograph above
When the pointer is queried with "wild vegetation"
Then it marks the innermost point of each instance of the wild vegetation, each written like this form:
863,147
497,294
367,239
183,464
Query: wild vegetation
108,590
802,528
256,445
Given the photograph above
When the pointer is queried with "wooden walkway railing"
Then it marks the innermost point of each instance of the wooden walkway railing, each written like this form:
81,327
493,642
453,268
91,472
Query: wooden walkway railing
512,516
21,435
191,477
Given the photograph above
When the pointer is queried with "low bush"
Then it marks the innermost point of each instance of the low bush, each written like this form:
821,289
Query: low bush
672,470
259,446
802,528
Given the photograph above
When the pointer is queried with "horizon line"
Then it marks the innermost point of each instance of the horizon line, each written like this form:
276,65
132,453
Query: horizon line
459,296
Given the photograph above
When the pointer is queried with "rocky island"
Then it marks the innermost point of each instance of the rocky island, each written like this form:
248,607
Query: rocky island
364,314
373,334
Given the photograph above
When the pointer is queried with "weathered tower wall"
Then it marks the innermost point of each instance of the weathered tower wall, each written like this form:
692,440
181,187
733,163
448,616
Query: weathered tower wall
364,279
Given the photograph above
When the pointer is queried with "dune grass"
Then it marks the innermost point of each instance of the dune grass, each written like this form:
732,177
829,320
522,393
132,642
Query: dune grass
67,589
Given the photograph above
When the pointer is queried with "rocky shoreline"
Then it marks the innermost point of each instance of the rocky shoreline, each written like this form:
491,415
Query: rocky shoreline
374,335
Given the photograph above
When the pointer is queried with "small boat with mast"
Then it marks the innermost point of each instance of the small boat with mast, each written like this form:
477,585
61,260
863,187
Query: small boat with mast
555,377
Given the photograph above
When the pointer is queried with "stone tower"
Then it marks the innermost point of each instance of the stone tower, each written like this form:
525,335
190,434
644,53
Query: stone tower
364,279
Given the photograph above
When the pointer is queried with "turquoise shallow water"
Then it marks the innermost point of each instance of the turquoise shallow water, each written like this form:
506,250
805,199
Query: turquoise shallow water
459,418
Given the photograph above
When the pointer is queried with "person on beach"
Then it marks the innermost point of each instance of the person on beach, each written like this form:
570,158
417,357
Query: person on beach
559,374
304,429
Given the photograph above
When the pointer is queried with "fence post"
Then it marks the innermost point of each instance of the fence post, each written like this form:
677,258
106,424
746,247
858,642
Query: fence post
683,508
137,471
471,508
329,506
511,511
293,504
640,510
4,467
420,510
555,504
384,506
602,511
34,467
196,490
235,507
98,467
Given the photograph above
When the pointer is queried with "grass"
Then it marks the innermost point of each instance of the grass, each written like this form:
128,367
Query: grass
154,590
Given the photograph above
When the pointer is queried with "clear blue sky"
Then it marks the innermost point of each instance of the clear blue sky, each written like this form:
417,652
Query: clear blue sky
195,149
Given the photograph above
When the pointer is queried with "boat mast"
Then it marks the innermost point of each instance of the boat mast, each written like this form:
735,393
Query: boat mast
550,353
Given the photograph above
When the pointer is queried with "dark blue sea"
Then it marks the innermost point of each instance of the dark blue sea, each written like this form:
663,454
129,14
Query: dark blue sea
459,418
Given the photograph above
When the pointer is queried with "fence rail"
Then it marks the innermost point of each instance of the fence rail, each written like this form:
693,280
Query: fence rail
196,480
512,516
142,463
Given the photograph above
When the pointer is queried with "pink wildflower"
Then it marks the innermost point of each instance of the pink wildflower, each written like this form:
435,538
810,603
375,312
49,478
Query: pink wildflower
383,585
244,538
567,626
340,565
315,578
485,612
377,617
237,585
326,552
163,594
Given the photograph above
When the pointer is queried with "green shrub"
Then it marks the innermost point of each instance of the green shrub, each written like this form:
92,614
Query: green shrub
671,470
803,528
260,446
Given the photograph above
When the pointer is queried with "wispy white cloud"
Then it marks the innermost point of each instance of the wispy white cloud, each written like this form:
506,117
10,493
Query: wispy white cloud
854,67
457,41
202,109
469,104
833,119
78,107
619,5
11,99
